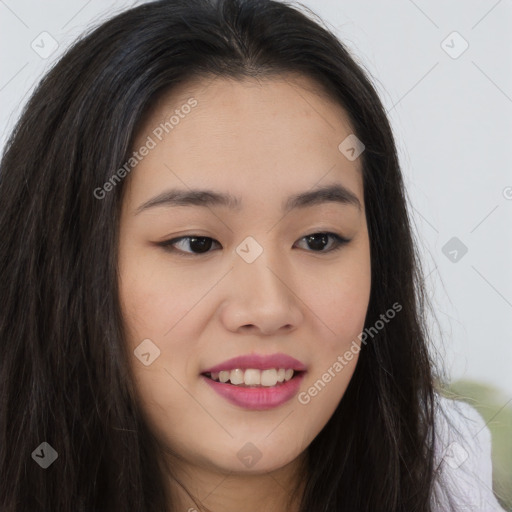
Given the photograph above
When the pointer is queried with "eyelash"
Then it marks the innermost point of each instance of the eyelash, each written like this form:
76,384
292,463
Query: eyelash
167,244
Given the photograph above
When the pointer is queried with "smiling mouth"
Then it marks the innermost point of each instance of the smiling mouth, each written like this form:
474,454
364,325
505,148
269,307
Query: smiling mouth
254,378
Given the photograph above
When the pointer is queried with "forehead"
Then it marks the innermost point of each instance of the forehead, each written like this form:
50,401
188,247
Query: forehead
251,136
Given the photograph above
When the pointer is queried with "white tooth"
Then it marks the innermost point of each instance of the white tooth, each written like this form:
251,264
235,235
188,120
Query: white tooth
236,376
269,377
223,376
252,377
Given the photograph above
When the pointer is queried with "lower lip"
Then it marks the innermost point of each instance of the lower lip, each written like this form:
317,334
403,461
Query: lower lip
257,398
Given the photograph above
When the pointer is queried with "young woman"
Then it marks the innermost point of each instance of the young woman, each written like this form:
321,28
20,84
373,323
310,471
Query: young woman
211,298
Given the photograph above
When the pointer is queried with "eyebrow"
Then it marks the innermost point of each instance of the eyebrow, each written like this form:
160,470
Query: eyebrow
207,198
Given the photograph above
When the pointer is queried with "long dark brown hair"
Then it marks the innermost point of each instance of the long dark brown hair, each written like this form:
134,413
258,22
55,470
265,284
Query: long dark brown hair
64,369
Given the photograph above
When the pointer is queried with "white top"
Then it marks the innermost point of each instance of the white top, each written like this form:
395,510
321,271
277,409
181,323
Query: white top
463,450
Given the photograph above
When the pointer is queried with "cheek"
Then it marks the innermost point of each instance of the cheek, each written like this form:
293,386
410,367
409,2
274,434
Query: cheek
324,388
151,310
339,300
335,356
154,297
343,309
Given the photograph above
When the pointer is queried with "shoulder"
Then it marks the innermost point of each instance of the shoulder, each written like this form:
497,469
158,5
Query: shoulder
463,459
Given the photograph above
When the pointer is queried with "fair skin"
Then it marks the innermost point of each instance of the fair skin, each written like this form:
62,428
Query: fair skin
260,141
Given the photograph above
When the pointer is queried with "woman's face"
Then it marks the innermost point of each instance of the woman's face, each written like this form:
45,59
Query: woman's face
250,281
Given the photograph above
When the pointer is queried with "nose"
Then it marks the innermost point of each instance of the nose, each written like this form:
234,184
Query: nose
261,298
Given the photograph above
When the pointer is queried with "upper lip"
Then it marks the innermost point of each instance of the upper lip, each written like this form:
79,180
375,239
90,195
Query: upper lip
260,362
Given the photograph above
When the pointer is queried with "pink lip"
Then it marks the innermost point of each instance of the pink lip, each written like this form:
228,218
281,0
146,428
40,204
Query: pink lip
257,398
259,362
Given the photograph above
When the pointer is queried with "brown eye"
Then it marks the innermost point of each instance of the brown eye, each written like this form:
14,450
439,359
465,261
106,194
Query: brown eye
195,244
318,241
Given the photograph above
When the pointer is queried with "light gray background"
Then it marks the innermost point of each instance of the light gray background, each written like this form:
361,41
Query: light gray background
452,119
